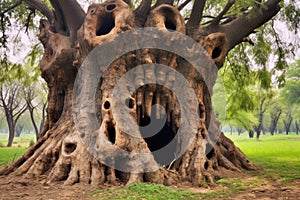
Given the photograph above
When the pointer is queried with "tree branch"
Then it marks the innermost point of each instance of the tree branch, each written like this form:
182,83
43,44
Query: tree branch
249,22
142,12
160,2
184,4
38,5
69,17
128,2
11,7
217,20
20,112
196,15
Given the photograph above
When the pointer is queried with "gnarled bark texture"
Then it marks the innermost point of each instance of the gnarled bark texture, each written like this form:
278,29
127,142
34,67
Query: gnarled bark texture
69,36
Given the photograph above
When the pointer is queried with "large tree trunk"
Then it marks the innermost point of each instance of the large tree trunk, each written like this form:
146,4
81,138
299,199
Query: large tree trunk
66,148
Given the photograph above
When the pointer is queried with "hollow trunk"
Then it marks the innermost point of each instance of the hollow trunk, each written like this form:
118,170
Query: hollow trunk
101,141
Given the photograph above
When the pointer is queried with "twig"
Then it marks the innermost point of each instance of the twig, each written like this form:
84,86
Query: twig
183,4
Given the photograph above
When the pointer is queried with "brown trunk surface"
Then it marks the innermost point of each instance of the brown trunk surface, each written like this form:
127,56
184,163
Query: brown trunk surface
61,154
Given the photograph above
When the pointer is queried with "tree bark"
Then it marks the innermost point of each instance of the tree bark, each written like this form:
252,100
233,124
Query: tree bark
60,153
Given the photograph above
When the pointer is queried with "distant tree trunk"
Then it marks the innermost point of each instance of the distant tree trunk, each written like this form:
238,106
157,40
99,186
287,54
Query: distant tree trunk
274,121
68,38
30,95
43,117
11,130
239,131
297,127
18,130
261,111
288,122
251,134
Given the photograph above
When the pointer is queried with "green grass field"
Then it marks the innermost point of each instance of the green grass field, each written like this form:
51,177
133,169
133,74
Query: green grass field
20,144
279,155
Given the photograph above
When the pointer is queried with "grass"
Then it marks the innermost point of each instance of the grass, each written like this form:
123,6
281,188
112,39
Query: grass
137,191
278,154
8,155
20,144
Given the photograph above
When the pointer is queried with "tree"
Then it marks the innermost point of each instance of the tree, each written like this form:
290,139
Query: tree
290,93
275,113
69,35
30,95
13,107
287,121
18,130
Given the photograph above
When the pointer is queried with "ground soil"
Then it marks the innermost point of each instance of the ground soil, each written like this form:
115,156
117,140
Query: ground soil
272,190
14,189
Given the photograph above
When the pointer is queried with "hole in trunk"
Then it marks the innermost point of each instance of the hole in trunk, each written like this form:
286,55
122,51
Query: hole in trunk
129,103
158,131
145,121
216,53
123,176
111,133
106,23
170,25
209,151
170,22
66,170
70,148
206,165
110,7
106,105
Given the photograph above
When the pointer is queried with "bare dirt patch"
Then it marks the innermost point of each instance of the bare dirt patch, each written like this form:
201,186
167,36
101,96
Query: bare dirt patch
35,190
272,190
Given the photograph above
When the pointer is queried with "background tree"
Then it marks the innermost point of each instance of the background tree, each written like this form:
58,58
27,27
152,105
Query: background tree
290,94
69,34
275,113
12,105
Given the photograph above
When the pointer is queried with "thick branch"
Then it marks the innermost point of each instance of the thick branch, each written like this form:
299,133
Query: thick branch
196,15
38,5
217,20
235,33
160,2
142,12
69,17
